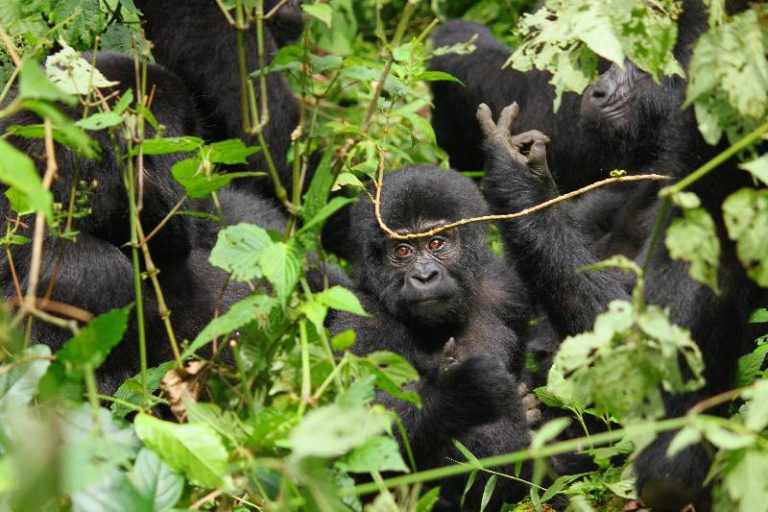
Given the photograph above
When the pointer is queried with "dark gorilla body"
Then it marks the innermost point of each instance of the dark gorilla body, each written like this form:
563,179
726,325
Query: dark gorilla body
201,48
624,121
95,272
572,300
452,309
210,69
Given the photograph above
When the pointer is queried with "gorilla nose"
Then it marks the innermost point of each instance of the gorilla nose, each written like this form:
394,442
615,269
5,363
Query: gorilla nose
425,277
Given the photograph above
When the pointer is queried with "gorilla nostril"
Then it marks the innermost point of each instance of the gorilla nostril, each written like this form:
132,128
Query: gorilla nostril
598,94
425,277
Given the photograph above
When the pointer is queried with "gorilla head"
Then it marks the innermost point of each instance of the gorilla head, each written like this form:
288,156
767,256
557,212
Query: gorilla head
425,281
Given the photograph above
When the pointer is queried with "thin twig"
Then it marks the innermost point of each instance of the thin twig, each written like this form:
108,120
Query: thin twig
9,47
507,216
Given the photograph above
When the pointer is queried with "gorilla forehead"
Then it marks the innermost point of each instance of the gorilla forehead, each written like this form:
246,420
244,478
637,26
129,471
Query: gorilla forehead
423,193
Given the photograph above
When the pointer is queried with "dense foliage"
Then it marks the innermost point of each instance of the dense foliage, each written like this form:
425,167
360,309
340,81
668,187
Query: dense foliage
291,423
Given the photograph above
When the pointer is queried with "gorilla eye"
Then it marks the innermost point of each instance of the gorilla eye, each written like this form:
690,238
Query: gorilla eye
435,244
403,250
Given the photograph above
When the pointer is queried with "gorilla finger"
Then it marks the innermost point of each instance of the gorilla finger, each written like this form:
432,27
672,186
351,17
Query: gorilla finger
537,157
532,417
485,118
450,355
522,389
528,137
530,401
508,116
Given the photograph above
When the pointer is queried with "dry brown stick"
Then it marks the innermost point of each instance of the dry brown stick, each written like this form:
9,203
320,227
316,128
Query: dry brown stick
506,216
9,47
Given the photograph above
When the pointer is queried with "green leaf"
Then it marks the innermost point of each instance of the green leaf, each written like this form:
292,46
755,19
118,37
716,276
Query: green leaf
428,500
326,211
437,76
155,481
346,339
166,145
19,384
231,152
130,391
693,238
322,12
339,298
490,486
112,493
746,218
18,171
94,342
73,74
33,84
250,309
758,168
333,430
750,366
99,121
195,450
238,250
197,184
683,439
281,265
377,454
756,417
549,431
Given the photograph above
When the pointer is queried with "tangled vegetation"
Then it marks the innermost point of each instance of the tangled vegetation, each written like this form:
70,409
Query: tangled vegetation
291,423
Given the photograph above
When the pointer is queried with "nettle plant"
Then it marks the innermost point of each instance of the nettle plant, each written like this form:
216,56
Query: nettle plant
289,423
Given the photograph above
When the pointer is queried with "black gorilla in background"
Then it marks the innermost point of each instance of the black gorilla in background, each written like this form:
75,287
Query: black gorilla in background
193,39
201,48
548,247
95,273
452,309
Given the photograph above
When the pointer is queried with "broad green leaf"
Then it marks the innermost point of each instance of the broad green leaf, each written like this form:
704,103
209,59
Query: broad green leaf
197,184
112,493
343,340
322,12
73,74
758,168
756,417
19,384
250,309
333,430
693,238
490,486
231,151
338,297
33,84
377,454
195,450
746,217
155,481
238,250
130,391
18,171
94,342
99,121
281,265
750,366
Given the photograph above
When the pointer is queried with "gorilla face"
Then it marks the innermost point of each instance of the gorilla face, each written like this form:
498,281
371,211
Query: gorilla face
422,279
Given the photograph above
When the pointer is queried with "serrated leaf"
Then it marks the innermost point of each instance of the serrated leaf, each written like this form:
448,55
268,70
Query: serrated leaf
377,454
333,430
250,309
195,450
322,12
99,121
231,152
339,298
155,481
130,390
73,74
167,145
746,218
19,384
94,342
238,250
280,264
197,184
693,238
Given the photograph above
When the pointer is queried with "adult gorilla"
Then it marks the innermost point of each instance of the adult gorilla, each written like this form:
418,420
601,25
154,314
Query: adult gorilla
452,309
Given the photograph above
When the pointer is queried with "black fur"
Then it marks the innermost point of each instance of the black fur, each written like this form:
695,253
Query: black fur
193,39
467,385
95,272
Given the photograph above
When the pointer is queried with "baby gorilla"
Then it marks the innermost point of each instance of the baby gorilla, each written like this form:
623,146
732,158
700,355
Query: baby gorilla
454,311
